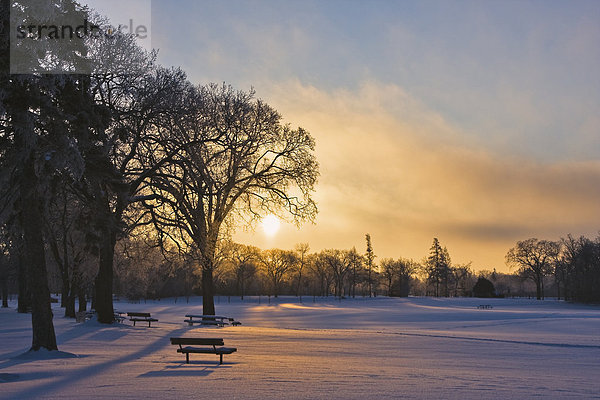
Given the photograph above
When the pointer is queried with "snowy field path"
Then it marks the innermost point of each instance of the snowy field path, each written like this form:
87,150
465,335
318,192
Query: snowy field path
416,348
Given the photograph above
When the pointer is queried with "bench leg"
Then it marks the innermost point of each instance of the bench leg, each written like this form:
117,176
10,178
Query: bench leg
221,361
133,323
187,358
148,324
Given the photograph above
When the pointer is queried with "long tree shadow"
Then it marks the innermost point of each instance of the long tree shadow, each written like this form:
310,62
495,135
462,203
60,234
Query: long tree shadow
24,356
85,373
77,331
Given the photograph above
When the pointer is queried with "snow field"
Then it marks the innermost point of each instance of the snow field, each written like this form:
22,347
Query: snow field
415,348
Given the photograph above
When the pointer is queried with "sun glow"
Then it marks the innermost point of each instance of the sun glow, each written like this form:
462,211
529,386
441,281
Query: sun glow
270,225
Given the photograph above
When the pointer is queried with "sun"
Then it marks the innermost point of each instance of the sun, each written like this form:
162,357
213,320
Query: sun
270,225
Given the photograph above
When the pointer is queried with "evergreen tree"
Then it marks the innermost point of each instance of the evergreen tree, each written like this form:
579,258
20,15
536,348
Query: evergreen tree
484,288
369,257
438,268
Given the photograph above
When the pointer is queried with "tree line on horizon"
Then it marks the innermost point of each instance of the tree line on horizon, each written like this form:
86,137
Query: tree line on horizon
144,270
567,269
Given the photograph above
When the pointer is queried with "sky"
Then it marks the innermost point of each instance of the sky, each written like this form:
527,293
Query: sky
477,122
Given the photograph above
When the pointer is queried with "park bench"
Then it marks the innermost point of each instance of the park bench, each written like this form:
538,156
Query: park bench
484,307
209,347
82,316
119,317
215,320
141,317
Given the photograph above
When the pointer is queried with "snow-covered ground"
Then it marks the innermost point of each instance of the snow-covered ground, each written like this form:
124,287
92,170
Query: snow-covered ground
381,348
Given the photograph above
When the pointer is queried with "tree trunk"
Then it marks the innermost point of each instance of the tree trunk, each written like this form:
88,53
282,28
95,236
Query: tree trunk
207,252
104,279
370,286
93,305
73,292
70,306
41,310
242,286
64,274
74,289
538,288
24,301
81,300
208,296
64,293
4,284
542,280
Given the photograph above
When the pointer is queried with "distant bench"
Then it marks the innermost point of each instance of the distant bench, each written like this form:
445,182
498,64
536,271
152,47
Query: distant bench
484,307
141,317
119,316
215,320
82,316
210,347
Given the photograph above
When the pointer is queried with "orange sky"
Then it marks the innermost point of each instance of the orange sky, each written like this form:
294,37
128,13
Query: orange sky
408,176
477,122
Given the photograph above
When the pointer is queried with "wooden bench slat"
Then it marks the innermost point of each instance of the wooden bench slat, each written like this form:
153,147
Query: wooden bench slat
198,341
218,350
138,314
210,320
192,321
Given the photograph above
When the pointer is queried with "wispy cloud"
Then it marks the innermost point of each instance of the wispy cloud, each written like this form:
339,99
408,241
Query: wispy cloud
395,169
473,121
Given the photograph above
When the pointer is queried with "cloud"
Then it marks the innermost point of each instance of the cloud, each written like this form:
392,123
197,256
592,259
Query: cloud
472,122
398,170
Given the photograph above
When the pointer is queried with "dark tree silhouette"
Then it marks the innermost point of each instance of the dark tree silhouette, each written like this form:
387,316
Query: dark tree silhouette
236,159
484,288
578,269
397,274
302,256
534,259
438,268
276,265
369,258
36,140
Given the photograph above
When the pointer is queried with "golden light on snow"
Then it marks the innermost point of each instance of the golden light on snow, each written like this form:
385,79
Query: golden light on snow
270,225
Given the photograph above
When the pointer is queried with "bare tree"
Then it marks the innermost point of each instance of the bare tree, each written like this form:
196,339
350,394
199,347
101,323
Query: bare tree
235,159
340,264
462,276
276,264
534,259
137,97
302,254
244,260
388,271
322,273
578,269
397,274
